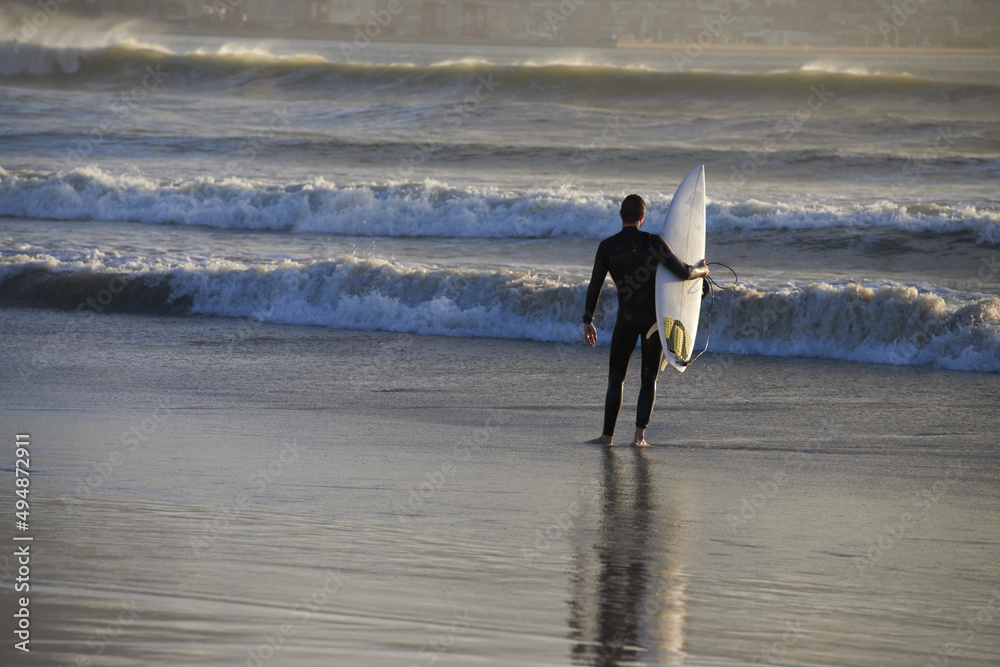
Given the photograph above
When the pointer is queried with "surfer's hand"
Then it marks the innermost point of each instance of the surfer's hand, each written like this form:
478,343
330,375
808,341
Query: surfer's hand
590,334
701,270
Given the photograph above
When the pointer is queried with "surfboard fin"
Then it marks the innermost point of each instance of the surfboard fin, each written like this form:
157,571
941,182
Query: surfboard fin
679,341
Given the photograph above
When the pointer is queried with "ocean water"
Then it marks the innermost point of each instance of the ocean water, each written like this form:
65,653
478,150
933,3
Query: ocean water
415,188
207,244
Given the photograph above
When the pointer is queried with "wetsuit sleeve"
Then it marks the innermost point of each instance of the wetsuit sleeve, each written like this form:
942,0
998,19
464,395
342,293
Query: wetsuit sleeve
665,256
596,284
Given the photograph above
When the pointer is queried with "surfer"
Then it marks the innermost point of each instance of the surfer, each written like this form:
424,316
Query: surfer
631,256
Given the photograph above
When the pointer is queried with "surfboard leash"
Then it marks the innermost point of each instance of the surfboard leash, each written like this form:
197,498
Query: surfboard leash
712,281
712,286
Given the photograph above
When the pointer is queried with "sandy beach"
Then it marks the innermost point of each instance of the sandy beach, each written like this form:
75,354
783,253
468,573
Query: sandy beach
221,492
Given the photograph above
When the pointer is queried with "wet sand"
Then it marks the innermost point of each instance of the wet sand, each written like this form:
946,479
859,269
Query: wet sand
217,492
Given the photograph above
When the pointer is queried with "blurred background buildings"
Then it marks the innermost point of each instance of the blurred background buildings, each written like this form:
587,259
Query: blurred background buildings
715,23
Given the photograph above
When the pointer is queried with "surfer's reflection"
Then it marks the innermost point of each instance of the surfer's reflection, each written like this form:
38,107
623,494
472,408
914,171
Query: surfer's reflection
627,586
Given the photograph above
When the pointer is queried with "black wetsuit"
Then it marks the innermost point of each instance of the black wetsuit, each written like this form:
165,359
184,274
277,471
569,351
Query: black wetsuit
631,256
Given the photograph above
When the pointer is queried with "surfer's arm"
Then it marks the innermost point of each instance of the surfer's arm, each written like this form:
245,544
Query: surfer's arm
699,270
661,250
596,285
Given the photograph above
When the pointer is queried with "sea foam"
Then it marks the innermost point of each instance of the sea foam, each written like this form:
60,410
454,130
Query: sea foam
884,323
433,208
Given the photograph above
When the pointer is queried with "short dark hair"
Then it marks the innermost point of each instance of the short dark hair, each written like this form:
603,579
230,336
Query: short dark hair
633,208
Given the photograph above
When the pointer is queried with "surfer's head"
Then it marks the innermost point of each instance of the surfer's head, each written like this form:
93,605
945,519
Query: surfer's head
633,210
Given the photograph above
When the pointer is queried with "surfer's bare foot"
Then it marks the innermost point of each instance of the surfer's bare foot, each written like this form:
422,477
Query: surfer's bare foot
603,440
640,438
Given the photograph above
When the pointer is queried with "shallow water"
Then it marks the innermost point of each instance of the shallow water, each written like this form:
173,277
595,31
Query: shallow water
380,498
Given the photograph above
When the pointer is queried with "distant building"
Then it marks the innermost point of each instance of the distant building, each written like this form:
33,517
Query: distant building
167,10
339,12
865,23
982,25
274,14
467,19
285,15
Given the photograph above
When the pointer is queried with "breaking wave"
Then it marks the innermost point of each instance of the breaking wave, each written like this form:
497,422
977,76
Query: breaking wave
888,323
246,70
431,208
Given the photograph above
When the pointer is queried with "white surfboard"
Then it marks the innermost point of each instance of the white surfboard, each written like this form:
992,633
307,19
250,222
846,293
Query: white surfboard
678,302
